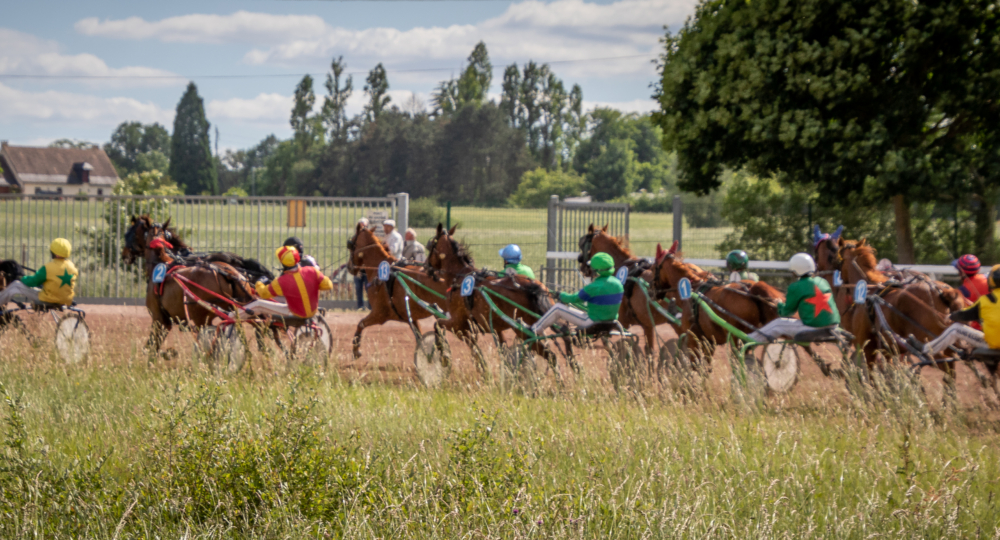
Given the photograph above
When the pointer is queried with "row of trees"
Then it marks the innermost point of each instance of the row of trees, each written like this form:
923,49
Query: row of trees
465,148
862,102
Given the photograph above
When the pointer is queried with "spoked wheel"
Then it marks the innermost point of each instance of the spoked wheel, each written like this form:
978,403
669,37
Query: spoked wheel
224,347
518,366
781,366
72,338
430,361
312,343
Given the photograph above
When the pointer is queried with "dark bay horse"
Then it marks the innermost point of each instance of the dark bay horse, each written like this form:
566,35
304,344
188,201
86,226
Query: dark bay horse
388,299
634,309
135,246
744,302
167,304
10,271
473,314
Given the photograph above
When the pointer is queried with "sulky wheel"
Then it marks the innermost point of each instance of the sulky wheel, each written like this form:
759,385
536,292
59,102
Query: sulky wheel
781,366
312,343
430,361
229,351
72,338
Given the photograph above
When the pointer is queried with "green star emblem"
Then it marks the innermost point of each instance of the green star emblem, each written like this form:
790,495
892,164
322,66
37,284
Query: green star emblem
66,279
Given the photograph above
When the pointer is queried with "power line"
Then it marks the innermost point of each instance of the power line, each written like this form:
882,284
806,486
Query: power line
284,75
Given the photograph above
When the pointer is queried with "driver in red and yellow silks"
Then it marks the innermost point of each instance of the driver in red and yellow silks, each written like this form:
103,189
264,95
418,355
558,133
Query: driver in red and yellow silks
299,285
986,309
57,279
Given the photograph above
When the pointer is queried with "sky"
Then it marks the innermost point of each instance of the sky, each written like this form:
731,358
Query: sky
76,70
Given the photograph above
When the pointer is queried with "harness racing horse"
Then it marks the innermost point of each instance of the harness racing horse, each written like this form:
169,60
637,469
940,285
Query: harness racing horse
471,314
135,246
918,305
744,304
388,299
634,309
10,271
167,302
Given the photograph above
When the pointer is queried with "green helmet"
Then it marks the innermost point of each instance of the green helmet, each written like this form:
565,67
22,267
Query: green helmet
602,261
737,260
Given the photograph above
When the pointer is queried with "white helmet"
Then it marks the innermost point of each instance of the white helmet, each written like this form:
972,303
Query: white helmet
802,264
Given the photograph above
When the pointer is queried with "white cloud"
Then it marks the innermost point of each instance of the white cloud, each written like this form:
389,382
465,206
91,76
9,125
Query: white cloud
240,27
265,108
66,107
25,54
543,31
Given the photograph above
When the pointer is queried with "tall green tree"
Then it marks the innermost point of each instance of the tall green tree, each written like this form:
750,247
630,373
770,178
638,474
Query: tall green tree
191,161
334,113
471,88
305,125
846,94
536,102
376,88
131,143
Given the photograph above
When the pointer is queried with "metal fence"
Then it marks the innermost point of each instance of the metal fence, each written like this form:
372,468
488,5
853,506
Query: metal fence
248,226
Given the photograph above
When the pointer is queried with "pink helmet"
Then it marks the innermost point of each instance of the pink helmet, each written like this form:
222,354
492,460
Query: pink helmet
968,264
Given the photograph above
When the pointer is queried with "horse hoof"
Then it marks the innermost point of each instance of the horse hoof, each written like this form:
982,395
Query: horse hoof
169,354
357,354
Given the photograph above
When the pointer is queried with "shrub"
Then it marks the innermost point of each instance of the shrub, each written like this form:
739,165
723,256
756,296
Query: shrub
539,185
425,212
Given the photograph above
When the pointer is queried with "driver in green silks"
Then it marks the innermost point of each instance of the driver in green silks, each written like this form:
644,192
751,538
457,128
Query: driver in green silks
737,263
600,299
810,297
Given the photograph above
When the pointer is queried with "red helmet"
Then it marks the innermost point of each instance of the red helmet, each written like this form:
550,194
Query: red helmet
968,264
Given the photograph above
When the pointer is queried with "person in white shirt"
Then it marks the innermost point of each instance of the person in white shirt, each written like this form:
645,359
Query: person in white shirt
393,240
413,250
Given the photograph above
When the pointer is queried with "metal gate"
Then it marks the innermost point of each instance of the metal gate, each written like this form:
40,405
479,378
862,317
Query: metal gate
567,222
248,226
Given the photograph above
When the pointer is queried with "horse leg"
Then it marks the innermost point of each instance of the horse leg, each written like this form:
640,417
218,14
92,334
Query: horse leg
379,314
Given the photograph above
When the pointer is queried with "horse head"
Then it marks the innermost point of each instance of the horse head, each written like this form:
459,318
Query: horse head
670,268
597,240
860,262
365,249
826,249
446,254
135,239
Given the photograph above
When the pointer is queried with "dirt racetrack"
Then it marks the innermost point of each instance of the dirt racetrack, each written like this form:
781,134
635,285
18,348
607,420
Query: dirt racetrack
118,334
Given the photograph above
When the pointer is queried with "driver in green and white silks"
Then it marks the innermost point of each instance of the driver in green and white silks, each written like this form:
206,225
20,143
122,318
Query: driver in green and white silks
600,299
810,297
737,262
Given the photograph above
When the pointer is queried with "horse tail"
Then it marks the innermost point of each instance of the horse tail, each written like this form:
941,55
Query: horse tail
242,290
766,298
539,300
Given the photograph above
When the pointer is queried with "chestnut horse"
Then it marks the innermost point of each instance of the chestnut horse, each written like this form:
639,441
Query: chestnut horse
743,303
920,306
388,299
473,313
634,309
167,303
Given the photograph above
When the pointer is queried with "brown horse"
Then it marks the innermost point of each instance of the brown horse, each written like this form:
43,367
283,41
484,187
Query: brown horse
473,314
168,304
747,305
135,247
388,299
634,309
920,306
10,271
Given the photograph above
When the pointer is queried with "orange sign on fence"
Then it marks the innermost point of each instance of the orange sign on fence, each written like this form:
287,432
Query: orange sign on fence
296,213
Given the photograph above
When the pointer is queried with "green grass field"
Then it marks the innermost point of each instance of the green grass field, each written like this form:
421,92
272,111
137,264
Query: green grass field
26,228
124,450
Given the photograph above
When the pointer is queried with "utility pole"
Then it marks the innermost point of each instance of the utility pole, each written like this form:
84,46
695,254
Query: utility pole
216,142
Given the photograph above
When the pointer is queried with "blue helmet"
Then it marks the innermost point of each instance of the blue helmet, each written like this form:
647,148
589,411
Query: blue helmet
511,253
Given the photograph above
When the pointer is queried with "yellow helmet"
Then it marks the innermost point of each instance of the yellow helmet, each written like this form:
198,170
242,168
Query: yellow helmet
60,248
288,255
994,277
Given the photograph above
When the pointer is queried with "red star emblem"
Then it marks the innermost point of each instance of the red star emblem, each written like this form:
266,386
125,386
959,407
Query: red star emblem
820,301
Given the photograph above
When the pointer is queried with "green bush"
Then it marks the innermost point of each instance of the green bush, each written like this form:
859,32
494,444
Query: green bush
425,212
539,185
